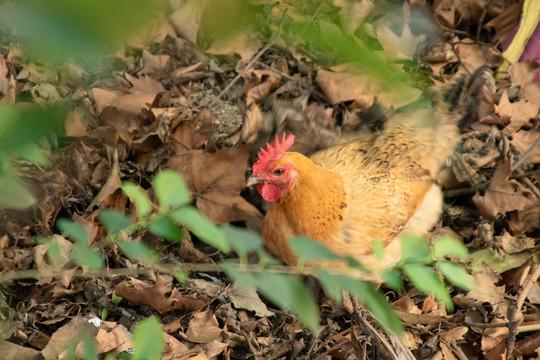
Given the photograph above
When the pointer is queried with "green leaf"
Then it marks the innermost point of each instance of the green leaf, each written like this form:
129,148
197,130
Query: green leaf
90,350
392,278
355,264
447,246
332,286
104,313
114,221
414,248
181,276
85,256
136,250
244,278
308,249
376,303
73,230
290,293
31,152
13,194
427,281
148,340
456,274
496,261
378,249
115,299
203,228
53,248
242,241
171,190
163,226
286,291
139,197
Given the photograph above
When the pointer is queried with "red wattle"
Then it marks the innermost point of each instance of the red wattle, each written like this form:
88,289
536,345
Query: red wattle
269,192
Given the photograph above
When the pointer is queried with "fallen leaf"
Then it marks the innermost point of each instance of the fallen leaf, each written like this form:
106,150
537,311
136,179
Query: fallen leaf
520,112
400,47
502,194
247,298
258,84
187,18
71,332
346,86
144,84
11,351
139,292
74,124
216,181
203,328
242,43
485,289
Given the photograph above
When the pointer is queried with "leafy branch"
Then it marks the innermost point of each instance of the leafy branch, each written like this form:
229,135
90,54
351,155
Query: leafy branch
280,284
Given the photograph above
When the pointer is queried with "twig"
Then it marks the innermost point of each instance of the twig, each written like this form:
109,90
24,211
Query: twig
524,156
171,269
529,327
481,21
372,331
251,62
513,311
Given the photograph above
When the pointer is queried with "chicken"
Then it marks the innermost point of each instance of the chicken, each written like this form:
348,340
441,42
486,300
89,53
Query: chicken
375,187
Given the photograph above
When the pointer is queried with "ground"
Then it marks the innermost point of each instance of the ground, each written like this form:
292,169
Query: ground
181,97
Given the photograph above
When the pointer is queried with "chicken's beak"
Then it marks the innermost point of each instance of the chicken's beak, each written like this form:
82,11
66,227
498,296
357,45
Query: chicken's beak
253,179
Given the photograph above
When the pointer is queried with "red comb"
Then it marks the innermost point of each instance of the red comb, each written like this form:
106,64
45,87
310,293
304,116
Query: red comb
272,153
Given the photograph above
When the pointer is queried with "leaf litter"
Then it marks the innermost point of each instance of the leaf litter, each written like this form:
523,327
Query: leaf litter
163,108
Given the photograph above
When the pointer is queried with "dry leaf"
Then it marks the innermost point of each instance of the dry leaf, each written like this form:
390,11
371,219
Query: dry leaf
343,86
258,84
399,47
247,298
203,328
187,18
216,181
502,194
139,292
520,112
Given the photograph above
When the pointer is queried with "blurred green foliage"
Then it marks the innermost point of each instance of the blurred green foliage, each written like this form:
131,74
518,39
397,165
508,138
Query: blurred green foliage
58,29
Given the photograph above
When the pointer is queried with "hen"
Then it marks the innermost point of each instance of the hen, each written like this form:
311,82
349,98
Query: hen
375,187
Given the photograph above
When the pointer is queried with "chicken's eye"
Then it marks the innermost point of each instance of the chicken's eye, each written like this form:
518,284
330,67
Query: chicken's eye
278,171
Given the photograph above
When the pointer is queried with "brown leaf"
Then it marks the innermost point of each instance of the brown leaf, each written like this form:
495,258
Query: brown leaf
523,75
259,84
187,18
113,337
473,55
346,86
144,84
154,63
519,112
216,181
72,331
484,287
502,194
204,328
74,124
524,140
526,220
103,98
11,351
242,43
139,292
